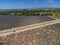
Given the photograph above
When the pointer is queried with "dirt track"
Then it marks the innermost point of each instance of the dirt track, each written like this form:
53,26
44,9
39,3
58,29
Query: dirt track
29,27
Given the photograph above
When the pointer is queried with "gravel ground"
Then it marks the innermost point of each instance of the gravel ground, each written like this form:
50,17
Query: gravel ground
48,35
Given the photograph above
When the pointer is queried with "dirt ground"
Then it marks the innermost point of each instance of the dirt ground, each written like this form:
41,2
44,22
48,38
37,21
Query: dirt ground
49,35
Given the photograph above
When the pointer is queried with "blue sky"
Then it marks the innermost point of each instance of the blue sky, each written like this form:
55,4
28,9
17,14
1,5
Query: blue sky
22,4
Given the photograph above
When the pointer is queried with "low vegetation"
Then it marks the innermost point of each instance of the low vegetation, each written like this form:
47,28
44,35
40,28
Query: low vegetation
46,12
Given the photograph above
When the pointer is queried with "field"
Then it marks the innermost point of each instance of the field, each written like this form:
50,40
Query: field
7,22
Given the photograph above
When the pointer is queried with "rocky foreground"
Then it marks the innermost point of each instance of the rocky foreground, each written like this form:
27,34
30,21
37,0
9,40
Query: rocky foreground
48,35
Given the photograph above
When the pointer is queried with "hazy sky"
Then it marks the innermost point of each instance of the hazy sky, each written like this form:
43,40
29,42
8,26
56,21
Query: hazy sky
20,4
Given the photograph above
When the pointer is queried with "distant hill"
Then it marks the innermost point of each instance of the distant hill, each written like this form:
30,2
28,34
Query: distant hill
30,9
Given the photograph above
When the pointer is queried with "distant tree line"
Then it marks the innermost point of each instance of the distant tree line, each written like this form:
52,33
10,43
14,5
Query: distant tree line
52,12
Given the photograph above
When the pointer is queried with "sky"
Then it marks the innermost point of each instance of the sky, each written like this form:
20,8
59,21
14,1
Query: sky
27,4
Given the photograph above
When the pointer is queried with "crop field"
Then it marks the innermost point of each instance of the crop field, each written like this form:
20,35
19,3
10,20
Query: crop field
7,22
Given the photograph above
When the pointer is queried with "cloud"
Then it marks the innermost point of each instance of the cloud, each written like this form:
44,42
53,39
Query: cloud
51,1
35,1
